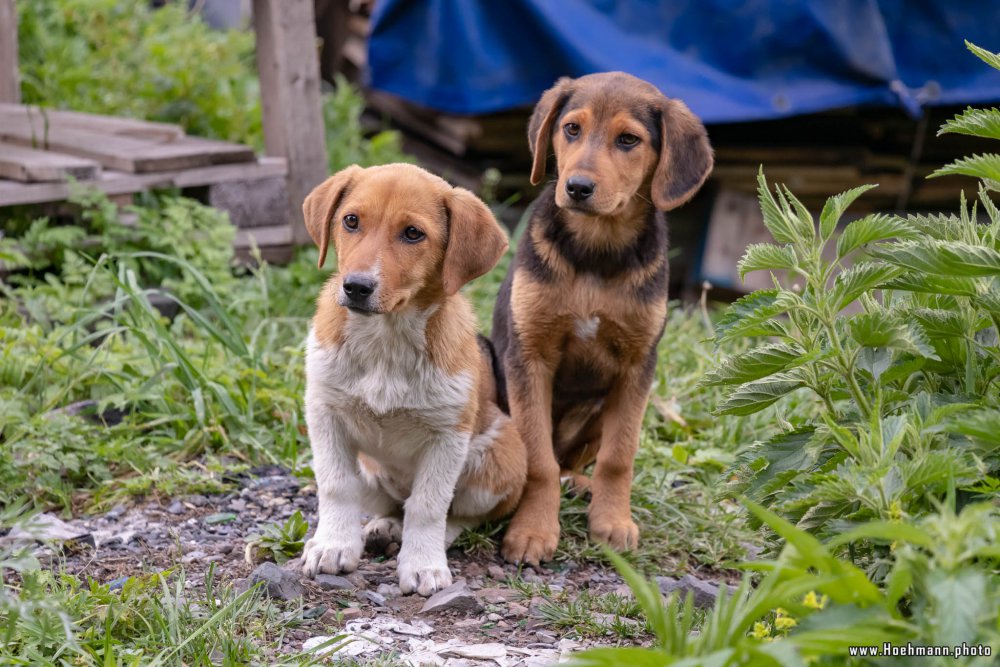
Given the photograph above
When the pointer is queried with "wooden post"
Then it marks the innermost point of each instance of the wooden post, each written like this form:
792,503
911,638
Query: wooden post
10,82
288,64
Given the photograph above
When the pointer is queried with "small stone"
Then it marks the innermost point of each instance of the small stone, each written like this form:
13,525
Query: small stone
534,605
116,512
196,500
176,507
497,595
371,596
705,592
493,617
332,582
456,597
238,505
193,556
516,610
496,572
351,613
477,651
278,583
389,591
473,570
357,579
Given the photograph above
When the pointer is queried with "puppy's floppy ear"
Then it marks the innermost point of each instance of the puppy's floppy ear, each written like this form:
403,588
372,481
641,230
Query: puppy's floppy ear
540,126
475,240
321,204
685,156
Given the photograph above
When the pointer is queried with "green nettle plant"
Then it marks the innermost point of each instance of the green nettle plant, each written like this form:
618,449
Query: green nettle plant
896,336
886,501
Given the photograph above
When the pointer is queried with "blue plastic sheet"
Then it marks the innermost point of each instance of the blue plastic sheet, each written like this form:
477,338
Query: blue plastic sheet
730,61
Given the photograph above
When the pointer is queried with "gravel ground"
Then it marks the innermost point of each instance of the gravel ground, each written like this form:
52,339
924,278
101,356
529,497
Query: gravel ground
492,615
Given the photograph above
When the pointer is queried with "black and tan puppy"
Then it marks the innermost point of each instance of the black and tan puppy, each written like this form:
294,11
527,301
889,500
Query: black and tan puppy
583,306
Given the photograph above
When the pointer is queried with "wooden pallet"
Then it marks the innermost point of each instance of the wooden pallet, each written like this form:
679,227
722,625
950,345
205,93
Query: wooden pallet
45,154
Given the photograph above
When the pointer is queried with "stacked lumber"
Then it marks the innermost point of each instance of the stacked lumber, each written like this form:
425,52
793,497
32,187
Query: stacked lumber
42,151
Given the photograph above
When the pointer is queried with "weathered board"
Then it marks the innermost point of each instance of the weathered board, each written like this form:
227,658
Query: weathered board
27,165
123,153
116,183
114,125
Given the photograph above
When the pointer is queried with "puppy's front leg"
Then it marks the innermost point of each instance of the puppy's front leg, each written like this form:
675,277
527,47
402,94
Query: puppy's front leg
338,543
423,565
611,490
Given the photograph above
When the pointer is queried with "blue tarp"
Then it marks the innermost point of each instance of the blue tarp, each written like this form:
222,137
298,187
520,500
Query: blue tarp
729,60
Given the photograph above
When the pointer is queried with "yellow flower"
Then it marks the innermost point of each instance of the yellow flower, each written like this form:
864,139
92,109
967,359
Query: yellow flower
813,601
761,630
782,621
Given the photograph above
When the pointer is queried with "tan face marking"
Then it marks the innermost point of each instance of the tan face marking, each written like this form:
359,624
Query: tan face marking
606,150
390,235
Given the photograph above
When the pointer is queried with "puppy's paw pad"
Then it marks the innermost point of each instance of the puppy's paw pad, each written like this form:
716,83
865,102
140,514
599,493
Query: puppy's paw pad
423,580
620,535
529,546
330,556
381,532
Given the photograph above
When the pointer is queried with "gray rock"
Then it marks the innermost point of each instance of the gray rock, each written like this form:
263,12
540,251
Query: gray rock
496,572
333,582
116,512
457,597
373,597
47,528
357,579
176,507
704,592
278,583
389,591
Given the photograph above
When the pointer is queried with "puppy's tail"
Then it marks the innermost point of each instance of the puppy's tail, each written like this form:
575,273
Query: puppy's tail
499,381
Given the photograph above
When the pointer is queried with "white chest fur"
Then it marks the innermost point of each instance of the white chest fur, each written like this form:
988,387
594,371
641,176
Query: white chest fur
382,385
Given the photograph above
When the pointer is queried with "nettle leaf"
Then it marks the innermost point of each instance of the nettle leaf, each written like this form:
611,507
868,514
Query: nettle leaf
752,314
939,323
875,227
859,279
988,57
988,301
834,209
766,256
959,598
974,122
875,360
950,258
933,284
985,166
983,425
775,218
753,364
881,329
938,226
756,395
784,453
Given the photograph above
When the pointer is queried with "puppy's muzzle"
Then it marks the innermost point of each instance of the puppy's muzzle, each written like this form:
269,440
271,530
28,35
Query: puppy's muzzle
580,188
357,293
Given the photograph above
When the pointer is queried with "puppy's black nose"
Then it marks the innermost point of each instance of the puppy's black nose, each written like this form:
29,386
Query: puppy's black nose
358,287
579,187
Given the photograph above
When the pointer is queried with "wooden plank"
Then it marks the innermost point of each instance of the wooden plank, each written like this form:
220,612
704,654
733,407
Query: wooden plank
10,81
126,127
288,65
124,153
117,183
26,164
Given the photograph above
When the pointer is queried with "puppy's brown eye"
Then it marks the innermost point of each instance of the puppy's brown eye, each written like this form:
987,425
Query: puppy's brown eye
571,129
412,234
351,222
627,140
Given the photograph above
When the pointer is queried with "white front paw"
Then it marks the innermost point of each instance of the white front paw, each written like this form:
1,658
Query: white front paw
331,555
423,574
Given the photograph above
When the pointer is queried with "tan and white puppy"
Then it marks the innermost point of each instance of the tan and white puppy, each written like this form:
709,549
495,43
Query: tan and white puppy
400,394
